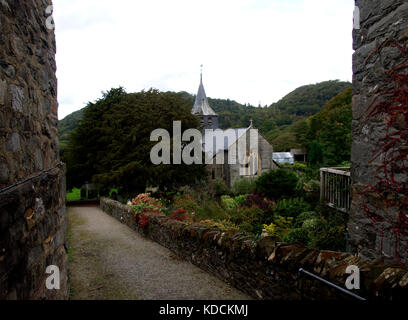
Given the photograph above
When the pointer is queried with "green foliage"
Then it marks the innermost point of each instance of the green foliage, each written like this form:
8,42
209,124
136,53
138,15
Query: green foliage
243,186
298,235
301,218
240,200
187,202
220,187
276,184
291,207
249,219
331,128
279,227
111,145
273,121
311,190
74,195
315,156
327,237
211,210
227,202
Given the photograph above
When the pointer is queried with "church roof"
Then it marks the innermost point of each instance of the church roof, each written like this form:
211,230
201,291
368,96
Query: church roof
219,140
201,105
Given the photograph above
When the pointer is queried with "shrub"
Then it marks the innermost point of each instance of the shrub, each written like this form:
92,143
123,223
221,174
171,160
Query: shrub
186,202
240,200
211,210
276,184
243,186
303,217
298,235
227,202
220,187
291,207
145,198
279,227
311,190
249,219
180,215
224,225
230,203
299,167
329,238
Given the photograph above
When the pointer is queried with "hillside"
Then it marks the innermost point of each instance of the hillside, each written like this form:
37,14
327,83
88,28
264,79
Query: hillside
331,128
271,121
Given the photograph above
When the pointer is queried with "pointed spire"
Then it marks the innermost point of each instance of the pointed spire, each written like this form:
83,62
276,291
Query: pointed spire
201,105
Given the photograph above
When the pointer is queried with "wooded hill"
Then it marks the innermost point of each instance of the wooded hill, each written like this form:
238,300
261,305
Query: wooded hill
273,121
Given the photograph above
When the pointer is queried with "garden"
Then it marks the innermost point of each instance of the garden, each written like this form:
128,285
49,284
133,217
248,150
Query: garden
283,203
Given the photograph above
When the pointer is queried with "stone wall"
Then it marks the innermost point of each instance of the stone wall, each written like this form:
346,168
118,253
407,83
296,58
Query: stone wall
32,214
265,269
378,222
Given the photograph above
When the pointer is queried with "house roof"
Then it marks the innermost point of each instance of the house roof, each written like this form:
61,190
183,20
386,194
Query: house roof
201,105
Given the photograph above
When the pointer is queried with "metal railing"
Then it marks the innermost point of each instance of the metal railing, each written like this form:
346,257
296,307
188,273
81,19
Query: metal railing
330,284
39,174
335,186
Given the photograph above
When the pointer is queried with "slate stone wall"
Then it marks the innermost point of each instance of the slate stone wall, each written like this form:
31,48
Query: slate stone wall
377,228
265,269
32,213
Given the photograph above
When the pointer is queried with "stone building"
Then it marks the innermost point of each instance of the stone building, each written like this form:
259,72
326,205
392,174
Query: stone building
378,224
33,226
233,153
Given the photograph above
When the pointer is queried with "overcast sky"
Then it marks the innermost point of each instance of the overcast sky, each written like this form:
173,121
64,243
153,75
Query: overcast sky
253,51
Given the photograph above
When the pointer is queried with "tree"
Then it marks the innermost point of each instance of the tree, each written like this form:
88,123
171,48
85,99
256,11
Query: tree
276,184
315,156
111,145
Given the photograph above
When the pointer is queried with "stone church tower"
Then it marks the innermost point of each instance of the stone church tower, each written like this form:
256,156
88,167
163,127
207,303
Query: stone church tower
208,118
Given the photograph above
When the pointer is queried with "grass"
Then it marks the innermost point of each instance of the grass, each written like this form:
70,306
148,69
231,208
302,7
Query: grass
74,195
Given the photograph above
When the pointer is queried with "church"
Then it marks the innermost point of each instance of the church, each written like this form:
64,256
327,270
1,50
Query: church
231,154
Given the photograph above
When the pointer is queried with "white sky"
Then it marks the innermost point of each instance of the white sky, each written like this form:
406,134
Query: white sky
253,50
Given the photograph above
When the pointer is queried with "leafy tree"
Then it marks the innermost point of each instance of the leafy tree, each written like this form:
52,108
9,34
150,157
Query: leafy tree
315,156
111,145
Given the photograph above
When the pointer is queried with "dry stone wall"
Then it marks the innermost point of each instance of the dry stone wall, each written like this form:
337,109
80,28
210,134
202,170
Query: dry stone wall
379,215
265,269
32,208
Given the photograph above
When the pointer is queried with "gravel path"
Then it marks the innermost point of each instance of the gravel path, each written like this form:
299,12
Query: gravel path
108,260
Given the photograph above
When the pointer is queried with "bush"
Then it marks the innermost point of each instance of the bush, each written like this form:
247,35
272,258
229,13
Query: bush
227,202
186,202
211,210
249,219
298,235
279,227
220,187
243,186
276,184
304,217
329,238
291,207
311,190
180,215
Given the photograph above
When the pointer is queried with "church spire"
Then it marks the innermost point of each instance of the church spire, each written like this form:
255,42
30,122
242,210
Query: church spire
201,105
